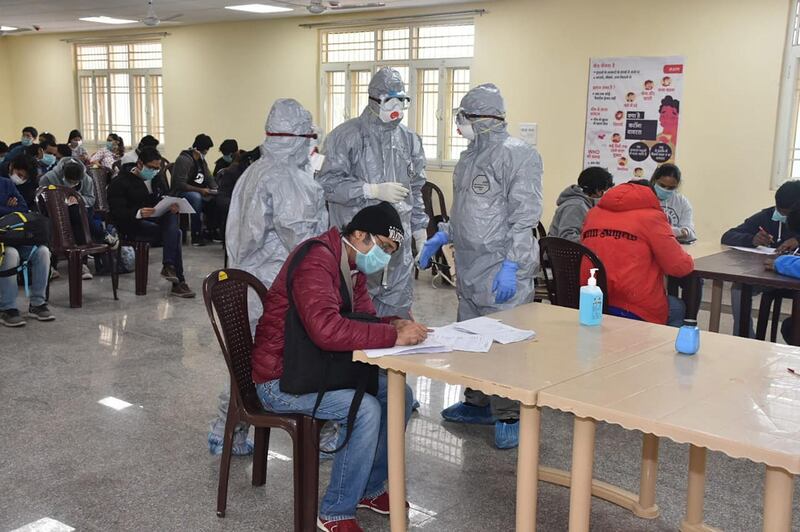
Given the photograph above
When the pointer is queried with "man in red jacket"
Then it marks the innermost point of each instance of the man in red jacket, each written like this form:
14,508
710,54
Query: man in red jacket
630,234
358,479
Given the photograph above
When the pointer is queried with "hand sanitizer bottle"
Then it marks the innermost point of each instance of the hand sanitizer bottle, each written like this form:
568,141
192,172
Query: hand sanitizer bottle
590,307
688,340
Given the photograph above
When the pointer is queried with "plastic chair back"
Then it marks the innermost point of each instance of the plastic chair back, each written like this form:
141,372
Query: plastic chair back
565,259
428,190
100,178
225,295
52,199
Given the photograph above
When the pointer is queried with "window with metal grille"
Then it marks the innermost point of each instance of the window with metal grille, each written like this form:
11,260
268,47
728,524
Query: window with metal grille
434,61
786,157
120,90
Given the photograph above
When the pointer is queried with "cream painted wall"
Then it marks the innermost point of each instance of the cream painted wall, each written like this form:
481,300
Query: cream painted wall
538,53
221,79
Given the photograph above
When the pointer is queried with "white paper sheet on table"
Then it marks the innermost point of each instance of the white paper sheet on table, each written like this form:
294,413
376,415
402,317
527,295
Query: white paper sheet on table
761,250
497,331
460,340
428,346
166,202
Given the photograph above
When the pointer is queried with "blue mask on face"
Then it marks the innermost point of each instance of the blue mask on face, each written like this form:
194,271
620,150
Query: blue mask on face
26,141
227,158
372,261
148,173
48,159
778,217
662,193
109,145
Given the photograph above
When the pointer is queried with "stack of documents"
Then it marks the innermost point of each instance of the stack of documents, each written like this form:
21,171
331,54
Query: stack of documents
761,250
474,335
495,329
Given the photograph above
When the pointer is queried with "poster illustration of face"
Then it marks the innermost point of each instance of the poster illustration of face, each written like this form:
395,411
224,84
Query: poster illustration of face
632,114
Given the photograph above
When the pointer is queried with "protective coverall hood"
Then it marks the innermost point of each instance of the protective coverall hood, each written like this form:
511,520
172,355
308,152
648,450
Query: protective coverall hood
486,99
288,116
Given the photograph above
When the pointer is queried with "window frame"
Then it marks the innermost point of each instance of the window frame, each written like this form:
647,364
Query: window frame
788,121
435,160
93,74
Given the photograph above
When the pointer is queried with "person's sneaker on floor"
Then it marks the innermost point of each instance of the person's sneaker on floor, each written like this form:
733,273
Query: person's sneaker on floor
467,413
379,504
241,445
11,318
111,240
40,312
198,240
345,525
168,272
86,274
506,434
181,290
54,273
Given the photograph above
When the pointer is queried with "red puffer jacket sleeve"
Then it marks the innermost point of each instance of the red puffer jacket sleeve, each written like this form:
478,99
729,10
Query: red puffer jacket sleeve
315,289
669,254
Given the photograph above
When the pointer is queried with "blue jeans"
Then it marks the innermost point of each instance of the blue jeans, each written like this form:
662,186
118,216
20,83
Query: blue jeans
166,231
677,312
361,468
195,199
38,271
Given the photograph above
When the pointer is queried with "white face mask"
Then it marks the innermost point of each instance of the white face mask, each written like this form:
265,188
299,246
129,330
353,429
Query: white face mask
16,179
391,111
467,131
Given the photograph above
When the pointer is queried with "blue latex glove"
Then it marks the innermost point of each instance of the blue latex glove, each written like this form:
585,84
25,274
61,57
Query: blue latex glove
431,247
505,282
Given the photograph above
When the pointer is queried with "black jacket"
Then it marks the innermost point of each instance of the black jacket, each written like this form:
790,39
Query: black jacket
127,193
742,235
220,164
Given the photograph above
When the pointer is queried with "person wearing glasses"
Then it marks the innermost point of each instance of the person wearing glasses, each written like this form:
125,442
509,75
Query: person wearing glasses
276,204
374,158
497,203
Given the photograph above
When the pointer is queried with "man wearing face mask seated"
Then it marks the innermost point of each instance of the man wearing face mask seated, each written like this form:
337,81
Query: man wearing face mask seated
131,198
22,172
309,308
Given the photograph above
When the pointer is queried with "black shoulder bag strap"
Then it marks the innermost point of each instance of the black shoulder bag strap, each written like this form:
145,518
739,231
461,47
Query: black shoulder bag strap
344,289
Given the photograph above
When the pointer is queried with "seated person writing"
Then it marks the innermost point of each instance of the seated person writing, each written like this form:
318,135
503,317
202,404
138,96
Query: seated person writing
359,475
136,191
576,200
633,239
767,227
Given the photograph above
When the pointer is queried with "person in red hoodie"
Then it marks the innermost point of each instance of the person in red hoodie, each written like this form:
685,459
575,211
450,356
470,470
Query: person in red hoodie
360,468
632,237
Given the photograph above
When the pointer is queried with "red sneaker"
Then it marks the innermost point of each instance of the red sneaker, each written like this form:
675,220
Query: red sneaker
379,504
345,525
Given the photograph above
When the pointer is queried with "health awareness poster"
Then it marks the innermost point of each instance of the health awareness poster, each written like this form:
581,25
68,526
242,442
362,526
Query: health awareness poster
632,114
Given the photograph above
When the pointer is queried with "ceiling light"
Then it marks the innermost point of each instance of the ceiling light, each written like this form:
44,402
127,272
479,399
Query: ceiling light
259,8
8,28
113,402
108,20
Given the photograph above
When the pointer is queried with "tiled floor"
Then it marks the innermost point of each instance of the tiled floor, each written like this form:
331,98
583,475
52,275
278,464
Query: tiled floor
146,467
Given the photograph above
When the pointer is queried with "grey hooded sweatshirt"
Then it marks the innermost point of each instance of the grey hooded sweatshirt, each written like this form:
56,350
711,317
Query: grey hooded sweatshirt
56,177
573,204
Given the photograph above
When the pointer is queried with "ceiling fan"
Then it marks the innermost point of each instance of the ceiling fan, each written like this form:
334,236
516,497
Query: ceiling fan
152,19
6,30
317,7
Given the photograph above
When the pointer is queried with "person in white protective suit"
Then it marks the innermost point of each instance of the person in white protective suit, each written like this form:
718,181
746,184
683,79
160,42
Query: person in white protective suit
497,203
374,158
276,204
